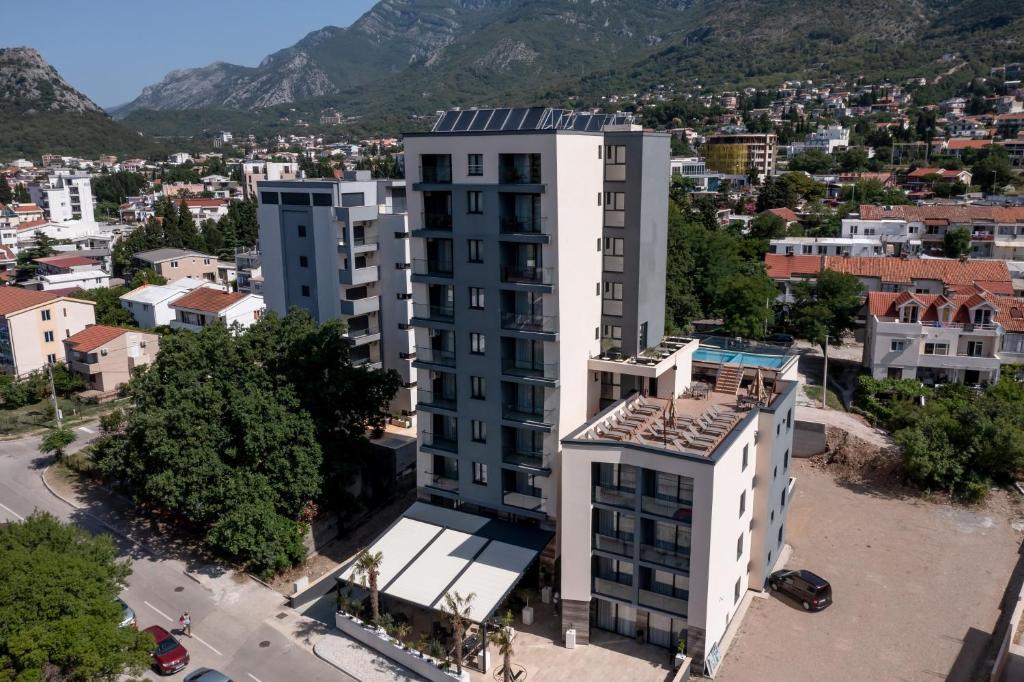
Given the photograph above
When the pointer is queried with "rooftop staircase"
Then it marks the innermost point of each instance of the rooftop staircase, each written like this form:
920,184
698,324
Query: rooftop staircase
728,379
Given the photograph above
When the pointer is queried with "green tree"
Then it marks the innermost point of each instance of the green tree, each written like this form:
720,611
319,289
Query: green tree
145,276
56,441
457,609
813,161
776,193
854,159
59,620
503,636
21,194
108,305
746,305
767,226
956,242
992,171
826,307
6,193
367,571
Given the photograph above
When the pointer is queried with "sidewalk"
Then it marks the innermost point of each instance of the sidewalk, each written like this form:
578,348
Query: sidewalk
358,661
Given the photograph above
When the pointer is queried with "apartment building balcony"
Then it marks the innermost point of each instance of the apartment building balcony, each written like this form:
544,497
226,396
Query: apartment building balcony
543,372
446,480
678,560
677,510
613,545
622,498
613,589
519,169
525,228
614,264
958,361
532,502
533,459
435,169
982,236
434,221
438,442
360,306
611,306
430,269
425,355
530,323
364,239
434,401
614,218
663,602
424,314
528,275
523,415
354,276
360,336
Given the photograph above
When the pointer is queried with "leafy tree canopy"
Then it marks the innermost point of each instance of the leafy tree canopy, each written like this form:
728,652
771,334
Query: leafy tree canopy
827,306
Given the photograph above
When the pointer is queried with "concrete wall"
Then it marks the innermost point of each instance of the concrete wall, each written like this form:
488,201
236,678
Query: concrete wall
27,331
808,439
199,267
377,640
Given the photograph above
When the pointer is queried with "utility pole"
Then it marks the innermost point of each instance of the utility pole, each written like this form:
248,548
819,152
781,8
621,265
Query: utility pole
824,377
53,394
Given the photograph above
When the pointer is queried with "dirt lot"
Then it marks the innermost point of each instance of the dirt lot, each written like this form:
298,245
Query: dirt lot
917,586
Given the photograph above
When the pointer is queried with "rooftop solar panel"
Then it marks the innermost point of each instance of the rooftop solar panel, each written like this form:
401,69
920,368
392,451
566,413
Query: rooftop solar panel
462,123
444,124
499,119
515,119
532,118
525,118
480,120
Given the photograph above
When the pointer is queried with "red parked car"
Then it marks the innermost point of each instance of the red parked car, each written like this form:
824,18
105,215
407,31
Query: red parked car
169,656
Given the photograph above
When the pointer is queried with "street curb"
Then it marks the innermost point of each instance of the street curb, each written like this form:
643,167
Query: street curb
331,662
53,492
192,577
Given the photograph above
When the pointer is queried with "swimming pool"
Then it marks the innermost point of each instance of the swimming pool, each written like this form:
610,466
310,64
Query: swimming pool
720,356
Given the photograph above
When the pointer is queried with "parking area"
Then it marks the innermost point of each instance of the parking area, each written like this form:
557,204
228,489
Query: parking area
917,587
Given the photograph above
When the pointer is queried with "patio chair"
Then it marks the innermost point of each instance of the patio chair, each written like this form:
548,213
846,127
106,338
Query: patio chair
696,435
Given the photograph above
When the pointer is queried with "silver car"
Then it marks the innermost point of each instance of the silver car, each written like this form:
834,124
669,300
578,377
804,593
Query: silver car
206,675
127,614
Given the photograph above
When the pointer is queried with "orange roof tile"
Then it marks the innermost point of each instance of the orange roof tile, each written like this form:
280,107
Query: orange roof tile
14,299
991,275
953,213
31,225
1009,309
94,336
782,266
208,300
66,261
786,214
27,208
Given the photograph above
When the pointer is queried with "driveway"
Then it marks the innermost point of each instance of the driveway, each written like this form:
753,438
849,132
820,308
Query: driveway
917,587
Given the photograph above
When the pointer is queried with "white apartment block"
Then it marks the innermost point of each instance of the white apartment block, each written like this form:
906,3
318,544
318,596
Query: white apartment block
827,246
205,306
827,139
340,250
996,232
943,338
259,171
65,196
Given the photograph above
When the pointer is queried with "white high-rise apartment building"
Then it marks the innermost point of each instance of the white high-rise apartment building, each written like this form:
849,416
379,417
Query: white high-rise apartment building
65,196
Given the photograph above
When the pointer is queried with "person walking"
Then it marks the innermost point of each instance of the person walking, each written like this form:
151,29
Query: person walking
186,624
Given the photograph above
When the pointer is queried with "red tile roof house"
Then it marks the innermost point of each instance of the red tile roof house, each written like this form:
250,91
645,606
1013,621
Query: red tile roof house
935,338
106,356
925,177
203,307
786,214
883,273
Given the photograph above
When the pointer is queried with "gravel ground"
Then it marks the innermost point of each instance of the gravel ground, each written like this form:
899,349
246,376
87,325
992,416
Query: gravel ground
917,586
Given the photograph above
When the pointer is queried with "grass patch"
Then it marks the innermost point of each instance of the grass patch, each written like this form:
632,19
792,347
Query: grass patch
40,415
831,399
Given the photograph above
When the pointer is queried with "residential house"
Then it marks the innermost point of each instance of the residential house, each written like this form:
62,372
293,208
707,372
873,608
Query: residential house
106,356
150,304
936,338
32,325
258,171
924,178
67,272
204,306
173,264
28,213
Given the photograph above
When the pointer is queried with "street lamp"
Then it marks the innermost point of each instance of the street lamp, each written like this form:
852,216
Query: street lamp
824,376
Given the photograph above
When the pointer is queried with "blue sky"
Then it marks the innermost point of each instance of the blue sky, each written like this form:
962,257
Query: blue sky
111,49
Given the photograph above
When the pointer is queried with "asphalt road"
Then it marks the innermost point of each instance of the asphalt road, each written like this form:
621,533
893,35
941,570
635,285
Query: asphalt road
232,619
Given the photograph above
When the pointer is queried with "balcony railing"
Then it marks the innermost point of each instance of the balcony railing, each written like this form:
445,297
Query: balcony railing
439,442
442,313
515,224
436,174
524,457
681,510
617,497
663,602
530,415
432,267
531,370
529,322
429,398
679,560
613,589
435,356
529,501
437,221
521,274
614,545
444,481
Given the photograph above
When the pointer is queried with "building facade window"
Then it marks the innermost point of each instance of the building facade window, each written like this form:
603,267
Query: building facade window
303,262
475,248
479,473
477,388
477,343
479,430
474,202
47,336
746,457
475,164
46,315
51,358
305,290
743,502
476,298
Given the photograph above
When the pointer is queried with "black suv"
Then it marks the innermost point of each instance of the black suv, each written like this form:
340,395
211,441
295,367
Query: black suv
812,591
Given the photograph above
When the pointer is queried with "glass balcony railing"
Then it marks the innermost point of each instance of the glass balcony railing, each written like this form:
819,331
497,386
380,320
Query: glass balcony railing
614,545
529,322
524,457
519,224
617,497
531,370
440,313
437,221
613,589
525,500
678,559
429,398
432,267
443,481
527,414
663,602
436,356
439,442
525,274
679,510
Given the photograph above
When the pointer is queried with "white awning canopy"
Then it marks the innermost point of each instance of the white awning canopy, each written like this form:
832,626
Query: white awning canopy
431,551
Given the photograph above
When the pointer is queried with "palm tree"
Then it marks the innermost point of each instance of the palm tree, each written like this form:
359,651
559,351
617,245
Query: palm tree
367,569
458,608
502,637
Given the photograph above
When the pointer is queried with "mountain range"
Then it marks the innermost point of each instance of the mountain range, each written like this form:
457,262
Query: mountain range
40,113
415,56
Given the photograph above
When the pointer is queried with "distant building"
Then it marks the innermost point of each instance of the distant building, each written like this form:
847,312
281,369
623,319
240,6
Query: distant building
32,325
107,356
203,307
249,270
65,197
739,153
826,246
67,272
174,264
258,171
179,158
827,139
150,304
